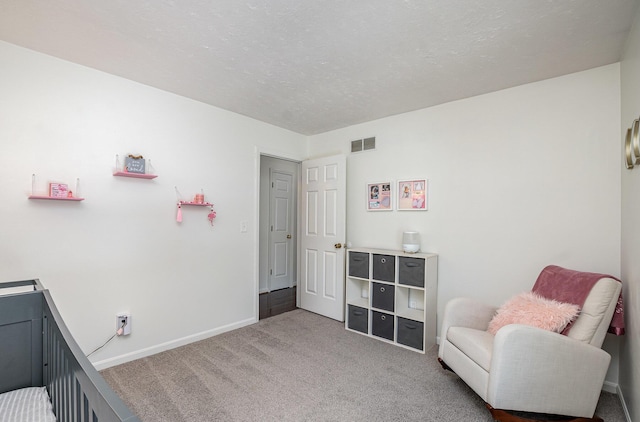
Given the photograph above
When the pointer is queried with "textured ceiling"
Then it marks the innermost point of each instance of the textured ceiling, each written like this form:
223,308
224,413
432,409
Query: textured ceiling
314,66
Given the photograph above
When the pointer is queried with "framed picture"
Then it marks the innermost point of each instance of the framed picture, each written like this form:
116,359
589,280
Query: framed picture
134,164
58,190
379,197
412,195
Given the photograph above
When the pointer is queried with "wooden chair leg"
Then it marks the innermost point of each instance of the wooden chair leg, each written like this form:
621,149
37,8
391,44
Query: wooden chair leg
500,415
444,365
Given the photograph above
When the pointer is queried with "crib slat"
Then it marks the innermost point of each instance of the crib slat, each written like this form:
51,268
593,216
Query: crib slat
85,414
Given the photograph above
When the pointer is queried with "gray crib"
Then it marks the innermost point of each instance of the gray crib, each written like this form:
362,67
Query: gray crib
37,349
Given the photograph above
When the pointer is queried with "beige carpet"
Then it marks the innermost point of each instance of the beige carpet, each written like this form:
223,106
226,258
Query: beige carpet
299,366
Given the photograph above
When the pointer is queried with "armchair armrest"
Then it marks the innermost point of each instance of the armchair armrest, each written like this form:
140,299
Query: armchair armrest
465,312
560,375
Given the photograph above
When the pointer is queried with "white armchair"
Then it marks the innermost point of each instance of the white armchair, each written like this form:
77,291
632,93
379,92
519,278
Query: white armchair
528,369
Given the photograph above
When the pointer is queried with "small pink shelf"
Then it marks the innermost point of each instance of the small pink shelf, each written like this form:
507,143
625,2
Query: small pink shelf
136,175
54,198
204,204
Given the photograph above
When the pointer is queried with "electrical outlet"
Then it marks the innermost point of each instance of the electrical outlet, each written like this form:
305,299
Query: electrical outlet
123,321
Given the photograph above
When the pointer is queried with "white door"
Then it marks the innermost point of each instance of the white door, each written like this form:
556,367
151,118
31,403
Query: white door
281,234
322,228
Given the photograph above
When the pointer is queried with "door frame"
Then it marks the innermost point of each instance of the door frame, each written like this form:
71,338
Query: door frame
259,151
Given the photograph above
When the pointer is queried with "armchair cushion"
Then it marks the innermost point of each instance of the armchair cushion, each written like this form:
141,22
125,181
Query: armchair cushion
532,309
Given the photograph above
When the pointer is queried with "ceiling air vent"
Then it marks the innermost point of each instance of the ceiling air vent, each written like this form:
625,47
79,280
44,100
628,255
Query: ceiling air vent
363,144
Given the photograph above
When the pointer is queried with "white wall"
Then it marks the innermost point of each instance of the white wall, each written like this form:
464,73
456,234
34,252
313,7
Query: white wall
121,249
630,266
518,179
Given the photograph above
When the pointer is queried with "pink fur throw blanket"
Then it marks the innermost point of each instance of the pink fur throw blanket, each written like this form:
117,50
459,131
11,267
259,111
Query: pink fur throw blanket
571,286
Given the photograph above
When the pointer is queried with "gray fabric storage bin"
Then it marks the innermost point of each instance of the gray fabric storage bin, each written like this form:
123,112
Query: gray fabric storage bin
358,319
411,271
383,296
384,267
382,325
410,333
359,264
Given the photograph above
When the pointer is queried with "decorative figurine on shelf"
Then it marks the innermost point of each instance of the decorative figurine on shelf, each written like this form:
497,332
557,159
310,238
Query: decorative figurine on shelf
70,194
211,215
134,164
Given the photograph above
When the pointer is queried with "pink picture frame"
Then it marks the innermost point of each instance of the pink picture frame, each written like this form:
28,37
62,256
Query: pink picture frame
379,197
58,190
413,195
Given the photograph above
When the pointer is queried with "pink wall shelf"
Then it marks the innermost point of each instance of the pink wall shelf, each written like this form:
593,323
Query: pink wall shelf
197,204
54,198
135,175
66,191
146,167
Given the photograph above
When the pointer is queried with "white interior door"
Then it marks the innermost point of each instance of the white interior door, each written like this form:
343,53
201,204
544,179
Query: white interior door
281,235
322,228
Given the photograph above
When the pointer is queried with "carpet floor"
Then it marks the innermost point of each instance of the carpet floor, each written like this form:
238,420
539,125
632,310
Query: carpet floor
299,366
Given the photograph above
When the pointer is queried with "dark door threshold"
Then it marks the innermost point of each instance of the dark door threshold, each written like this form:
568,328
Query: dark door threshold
277,302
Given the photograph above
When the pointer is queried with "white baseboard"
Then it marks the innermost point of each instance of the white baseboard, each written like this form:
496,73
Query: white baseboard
624,404
610,387
138,354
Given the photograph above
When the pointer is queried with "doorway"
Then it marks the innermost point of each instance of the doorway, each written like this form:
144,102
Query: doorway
278,241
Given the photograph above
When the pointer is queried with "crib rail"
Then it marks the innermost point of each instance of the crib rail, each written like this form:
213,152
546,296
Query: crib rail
32,285
78,392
